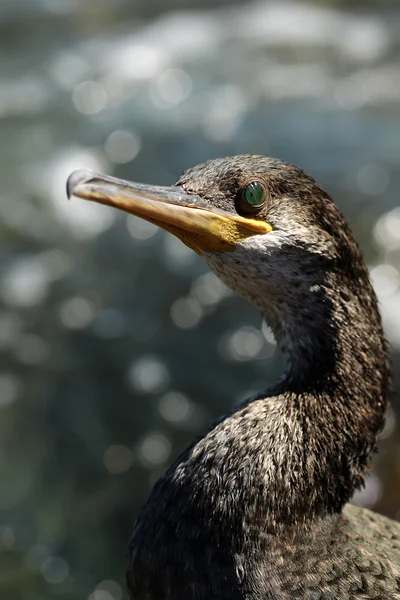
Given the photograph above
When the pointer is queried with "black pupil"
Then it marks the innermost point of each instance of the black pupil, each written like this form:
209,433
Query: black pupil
254,194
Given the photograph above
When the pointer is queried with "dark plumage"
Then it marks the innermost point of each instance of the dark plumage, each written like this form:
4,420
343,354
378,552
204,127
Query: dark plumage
256,508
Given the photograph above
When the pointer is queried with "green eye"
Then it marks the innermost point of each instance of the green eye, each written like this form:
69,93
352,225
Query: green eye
252,197
254,194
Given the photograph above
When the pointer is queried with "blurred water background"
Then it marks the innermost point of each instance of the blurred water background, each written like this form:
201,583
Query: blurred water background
117,345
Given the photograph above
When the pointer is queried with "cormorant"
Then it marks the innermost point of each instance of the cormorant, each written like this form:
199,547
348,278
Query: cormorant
257,508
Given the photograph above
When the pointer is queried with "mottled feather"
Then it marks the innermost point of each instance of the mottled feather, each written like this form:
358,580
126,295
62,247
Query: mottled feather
256,508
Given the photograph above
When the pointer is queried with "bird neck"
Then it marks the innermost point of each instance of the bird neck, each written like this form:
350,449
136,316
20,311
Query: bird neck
333,391
315,431
333,342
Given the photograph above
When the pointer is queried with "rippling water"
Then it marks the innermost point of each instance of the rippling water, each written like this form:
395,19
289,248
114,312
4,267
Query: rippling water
117,344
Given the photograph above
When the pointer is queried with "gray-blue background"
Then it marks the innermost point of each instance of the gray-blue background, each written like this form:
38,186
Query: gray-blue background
117,346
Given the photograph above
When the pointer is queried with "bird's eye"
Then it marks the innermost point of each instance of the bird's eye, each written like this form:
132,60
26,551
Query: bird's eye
252,197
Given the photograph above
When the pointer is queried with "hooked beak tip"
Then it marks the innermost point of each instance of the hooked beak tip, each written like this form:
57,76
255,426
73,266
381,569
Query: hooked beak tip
77,178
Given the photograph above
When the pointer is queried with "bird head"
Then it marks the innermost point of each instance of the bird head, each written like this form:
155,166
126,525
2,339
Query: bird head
252,214
265,227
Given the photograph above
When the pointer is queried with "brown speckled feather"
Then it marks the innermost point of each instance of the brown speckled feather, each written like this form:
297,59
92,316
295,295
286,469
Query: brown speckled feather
359,558
256,508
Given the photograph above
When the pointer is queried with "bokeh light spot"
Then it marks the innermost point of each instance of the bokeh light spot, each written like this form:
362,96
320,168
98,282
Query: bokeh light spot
7,537
68,69
154,450
149,374
122,146
390,424
117,459
225,113
208,290
101,595
10,389
387,229
89,97
170,88
370,494
141,230
55,569
177,257
186,313
175,407
111,587
373,179
25,283
77,312
242,345
385,279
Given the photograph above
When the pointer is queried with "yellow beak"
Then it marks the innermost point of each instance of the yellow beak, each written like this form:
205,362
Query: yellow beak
199,225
